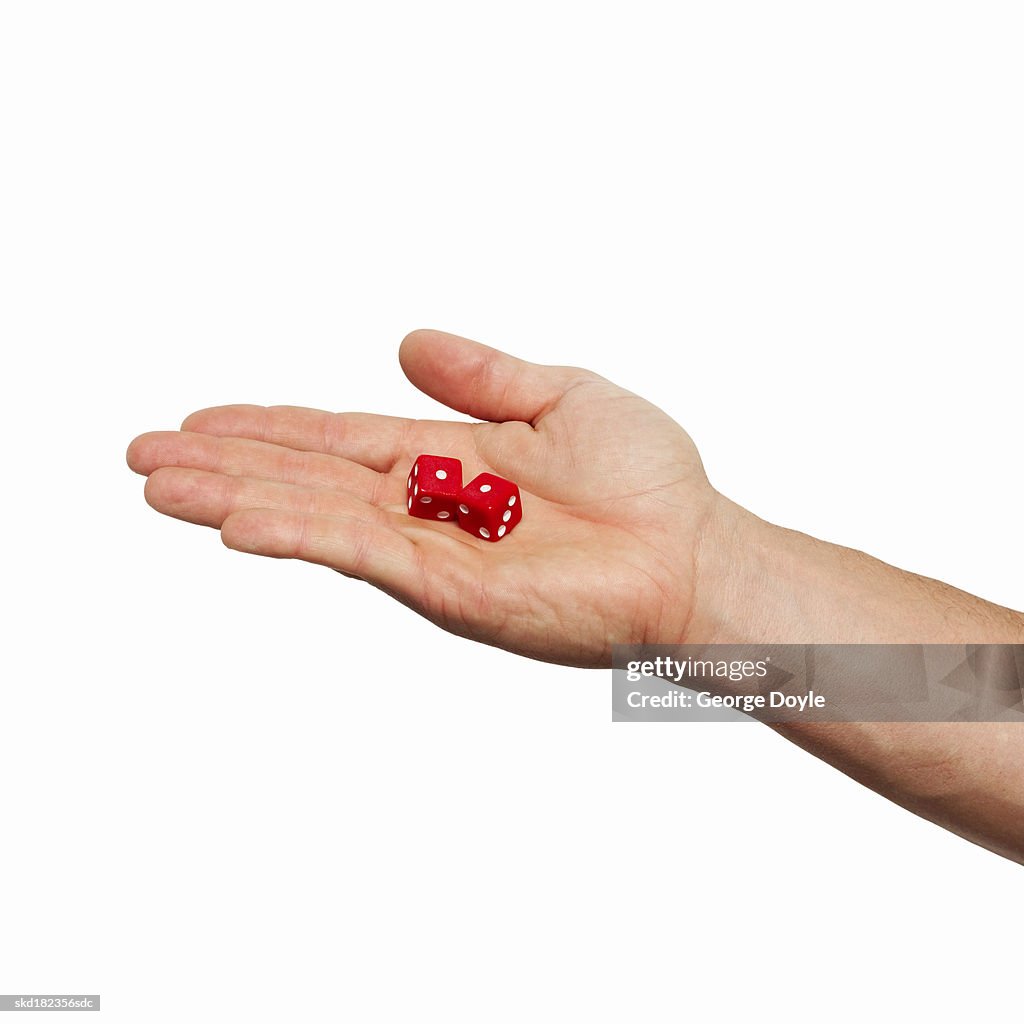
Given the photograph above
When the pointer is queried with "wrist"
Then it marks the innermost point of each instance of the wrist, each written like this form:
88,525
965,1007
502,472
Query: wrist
729,575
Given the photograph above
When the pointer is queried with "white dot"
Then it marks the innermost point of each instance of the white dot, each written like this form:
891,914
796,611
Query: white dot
443,515
501,531
416,470
410,504
484,532
507,516
484,488
424,500
416,489
409,483
511,501
441,475
464,509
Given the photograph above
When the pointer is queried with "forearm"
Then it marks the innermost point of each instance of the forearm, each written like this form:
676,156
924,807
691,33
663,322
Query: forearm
758,583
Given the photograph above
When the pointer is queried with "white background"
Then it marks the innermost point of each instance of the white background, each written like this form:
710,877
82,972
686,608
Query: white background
223,793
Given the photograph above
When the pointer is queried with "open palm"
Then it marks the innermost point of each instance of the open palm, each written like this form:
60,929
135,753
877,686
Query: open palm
614,500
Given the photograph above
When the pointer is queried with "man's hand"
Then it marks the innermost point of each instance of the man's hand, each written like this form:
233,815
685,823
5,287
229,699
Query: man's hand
615,500
622,540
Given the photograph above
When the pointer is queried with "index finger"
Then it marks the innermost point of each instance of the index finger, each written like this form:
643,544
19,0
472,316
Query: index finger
377,442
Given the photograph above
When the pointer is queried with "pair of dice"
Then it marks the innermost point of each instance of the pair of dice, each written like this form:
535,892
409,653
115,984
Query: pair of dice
488,506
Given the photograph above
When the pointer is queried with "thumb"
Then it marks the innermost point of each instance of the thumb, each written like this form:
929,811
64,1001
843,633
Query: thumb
481,381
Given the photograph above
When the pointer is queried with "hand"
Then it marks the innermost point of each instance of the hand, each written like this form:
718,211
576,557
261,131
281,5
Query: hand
620,525
614,500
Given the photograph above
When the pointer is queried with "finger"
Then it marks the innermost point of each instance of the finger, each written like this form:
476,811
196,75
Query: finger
237,456
207,499
357,545
481,381
373,441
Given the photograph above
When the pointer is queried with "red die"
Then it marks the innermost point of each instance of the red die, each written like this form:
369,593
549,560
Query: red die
433,488
489,507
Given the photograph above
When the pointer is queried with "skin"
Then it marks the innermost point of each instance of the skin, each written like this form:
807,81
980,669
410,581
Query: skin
624,541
